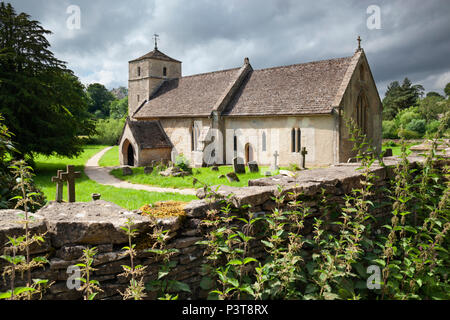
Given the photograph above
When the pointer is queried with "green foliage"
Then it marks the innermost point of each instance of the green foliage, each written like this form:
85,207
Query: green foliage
389,129
108,131
399,97
432,127
447,90
35,85
90,287
119,108
417,125
99,100
408,134
183,163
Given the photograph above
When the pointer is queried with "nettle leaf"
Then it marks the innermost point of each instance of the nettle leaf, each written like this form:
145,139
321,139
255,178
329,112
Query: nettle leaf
206,283
249,259
235,262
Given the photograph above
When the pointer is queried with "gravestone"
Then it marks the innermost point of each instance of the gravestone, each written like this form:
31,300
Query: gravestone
154,163
221,176
59,186
95,196
126,171
214,168
253,166
238,165
148,170
388,152
232,177
274,166
304,153
70,175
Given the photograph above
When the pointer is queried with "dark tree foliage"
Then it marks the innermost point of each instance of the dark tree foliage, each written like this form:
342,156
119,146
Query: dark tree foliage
447,90
43,102
100,100
399,97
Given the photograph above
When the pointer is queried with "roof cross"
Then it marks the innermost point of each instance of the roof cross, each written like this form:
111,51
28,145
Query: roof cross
156,37
359,43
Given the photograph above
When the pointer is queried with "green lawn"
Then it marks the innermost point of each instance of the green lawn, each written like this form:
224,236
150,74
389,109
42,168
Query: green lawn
205,175
110,158
130,199
397,149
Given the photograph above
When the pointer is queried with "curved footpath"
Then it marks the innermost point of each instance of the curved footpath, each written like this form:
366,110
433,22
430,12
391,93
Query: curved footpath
101,175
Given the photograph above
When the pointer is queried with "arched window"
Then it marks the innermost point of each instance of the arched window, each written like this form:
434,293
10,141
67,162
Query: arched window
361,113
299,141
264,141
234,142
192,137
139,71
164,72
293,140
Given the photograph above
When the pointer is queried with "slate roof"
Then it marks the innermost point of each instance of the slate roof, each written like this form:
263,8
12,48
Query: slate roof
156,54
188,96
148,134
307,88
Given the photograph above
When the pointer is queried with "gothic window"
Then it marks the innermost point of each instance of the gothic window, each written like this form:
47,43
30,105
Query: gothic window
299,143
293,140
264,141
192,137
361,113
234,142
164,72
139,71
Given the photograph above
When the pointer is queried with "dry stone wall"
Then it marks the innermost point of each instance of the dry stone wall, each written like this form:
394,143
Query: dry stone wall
71,227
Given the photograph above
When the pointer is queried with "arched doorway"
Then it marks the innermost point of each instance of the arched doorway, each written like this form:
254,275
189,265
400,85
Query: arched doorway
248,153
130,155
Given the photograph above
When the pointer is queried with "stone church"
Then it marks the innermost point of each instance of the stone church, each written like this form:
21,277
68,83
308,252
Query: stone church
248,113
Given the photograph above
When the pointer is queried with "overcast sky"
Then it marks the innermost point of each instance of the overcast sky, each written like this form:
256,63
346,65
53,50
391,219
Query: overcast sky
207,35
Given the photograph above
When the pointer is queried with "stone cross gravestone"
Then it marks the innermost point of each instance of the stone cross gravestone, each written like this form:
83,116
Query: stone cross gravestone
274,166
238,165
59,186
70,177
304,153
253,166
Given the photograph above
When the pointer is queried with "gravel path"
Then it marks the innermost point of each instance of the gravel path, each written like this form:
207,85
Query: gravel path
101,175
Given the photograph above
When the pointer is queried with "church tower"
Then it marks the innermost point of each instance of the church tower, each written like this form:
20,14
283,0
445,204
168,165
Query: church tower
147,73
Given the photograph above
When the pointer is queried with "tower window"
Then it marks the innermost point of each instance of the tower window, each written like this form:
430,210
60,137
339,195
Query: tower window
235,143
164,71
139,71
293,140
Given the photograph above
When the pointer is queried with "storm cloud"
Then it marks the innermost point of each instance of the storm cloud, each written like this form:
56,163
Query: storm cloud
209,35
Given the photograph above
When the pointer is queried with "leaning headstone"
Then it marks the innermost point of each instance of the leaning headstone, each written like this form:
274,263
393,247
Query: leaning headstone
221,176
148,170
59,186
253,166
214,168
232,177
95,196
388,152
126,171
70,175
238,165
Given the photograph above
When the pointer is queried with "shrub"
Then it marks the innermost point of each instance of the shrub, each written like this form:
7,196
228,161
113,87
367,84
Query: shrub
390,129
406,116
417,125
108,131
408,134
183,163
389,144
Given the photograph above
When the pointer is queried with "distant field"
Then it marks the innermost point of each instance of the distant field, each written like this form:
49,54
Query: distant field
129,199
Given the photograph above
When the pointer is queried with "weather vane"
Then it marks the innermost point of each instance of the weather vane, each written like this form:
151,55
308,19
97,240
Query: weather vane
156,37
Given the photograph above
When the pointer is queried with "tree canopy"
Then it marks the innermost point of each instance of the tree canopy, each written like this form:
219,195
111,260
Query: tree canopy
399,97
43,102
99,100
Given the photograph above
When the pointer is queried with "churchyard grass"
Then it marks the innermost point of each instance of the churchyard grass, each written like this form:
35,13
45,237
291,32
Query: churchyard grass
110,158
46,167
205,175
397,148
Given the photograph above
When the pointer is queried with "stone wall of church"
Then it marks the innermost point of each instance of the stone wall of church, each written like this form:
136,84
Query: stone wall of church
157,154
317,135
361,81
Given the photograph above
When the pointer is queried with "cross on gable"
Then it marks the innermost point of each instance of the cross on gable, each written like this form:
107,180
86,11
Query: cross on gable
156,37
70,177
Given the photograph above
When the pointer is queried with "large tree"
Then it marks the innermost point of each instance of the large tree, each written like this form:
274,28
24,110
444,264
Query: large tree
399,97
43,103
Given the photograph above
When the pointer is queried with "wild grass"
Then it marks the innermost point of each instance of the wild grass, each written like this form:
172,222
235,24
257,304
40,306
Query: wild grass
110,158
46,167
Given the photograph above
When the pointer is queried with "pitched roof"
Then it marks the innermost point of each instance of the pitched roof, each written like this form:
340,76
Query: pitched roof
188,96
156,54
149,134
308,88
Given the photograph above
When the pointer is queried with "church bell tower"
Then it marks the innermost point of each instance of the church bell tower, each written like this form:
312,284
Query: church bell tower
147,73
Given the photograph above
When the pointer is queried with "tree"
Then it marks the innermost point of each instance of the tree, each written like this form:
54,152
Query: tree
399,97
100,99
119,108
43,103
434,94
447,90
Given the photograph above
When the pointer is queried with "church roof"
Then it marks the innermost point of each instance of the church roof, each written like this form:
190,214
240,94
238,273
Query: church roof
156,54
307,88
148,134
188,96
